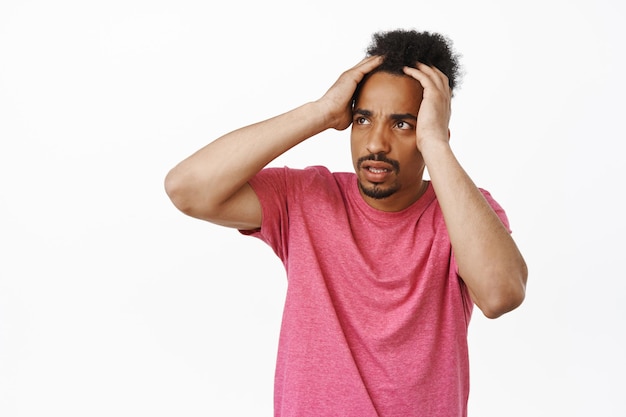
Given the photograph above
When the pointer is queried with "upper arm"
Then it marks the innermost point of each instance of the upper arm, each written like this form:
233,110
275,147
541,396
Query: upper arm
241,211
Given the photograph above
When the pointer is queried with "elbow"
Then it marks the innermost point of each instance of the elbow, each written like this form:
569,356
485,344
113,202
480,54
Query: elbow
185,190
499,307
507,296
177,190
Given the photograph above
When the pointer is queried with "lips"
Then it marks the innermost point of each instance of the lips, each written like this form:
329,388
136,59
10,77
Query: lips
376,171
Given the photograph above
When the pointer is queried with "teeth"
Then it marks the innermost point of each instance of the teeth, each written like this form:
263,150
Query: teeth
377,170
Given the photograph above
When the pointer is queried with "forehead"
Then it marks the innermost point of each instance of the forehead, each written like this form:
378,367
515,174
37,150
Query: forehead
385,92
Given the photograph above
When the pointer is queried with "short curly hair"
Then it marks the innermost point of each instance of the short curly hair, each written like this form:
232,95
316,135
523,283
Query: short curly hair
401,48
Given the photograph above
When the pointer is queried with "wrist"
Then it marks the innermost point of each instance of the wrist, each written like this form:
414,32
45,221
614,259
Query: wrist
435,151
321,113
330,117
434,142
312,117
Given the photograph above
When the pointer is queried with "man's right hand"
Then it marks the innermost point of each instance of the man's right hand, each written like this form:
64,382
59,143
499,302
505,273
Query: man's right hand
337,101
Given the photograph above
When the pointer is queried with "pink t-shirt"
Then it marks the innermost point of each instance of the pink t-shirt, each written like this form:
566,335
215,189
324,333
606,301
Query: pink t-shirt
375,318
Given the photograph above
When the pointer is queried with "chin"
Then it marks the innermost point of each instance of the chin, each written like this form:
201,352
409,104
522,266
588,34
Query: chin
376,192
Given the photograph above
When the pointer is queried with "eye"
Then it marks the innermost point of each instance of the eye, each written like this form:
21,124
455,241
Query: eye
402,125
360,120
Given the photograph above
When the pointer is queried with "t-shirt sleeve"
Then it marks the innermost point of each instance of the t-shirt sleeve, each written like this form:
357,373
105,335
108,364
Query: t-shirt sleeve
270,186
497,208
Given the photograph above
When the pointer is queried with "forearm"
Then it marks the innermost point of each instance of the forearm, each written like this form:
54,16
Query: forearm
216,172
489,261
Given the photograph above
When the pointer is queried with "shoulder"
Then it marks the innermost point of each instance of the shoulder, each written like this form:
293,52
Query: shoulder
492,201
496,207
297,178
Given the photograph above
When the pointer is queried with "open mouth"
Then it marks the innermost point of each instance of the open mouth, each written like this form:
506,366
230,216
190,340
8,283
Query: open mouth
376,172
377,168
378,163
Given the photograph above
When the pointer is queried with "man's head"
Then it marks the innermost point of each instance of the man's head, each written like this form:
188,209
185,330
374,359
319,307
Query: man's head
388,165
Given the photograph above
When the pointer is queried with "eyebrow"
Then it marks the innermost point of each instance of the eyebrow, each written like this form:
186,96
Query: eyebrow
395,116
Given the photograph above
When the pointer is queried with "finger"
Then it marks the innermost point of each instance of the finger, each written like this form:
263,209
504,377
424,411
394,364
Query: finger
435,73
428,76
369,63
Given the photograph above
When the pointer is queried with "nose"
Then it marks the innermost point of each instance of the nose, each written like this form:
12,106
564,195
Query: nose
378,141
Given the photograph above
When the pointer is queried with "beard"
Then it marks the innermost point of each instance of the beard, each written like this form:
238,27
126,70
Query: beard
377,191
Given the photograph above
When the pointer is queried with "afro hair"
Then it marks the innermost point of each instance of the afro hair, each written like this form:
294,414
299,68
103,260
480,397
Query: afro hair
400,48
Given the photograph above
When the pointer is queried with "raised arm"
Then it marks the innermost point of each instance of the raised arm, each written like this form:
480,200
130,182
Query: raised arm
489,261
212,184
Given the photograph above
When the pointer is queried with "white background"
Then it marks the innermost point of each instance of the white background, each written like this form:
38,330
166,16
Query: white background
112,303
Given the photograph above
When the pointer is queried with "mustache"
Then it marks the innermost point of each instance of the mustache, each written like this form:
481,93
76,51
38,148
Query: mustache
380,157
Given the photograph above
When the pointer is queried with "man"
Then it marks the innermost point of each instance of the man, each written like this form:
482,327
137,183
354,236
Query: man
383,267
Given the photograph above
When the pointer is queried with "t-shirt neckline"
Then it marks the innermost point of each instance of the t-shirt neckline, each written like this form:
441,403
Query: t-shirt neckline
417,207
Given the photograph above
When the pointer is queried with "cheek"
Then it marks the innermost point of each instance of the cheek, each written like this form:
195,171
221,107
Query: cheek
354,150
356,142
414,168
412,161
